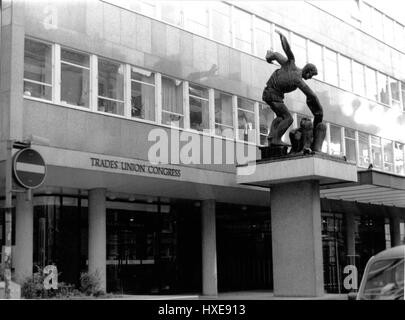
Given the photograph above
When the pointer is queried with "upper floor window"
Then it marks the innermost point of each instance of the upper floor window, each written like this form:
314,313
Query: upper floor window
221,22
172,102
199,107
171,12
223,115
350,144
399,157
371,84
335,140
299,48
376,152
403,95
395,93
364,150
147,8
110,87
196,17
358,78
345,73
242,22
382,88
142,94
37,69
246,120
266,116
331,74
262,37
388,155
315,57
75,78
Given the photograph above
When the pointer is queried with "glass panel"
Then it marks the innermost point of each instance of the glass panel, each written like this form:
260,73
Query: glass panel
110,80
403,95
262,37
358,78
376,151
246,104
377,24
350,144
382,83
246,125
110,106
171,12
388,30
142,75
364,153
224,131
37,67
196,15
198,91
243,30
315,57
171,119
75,85
388,155
399,157
371,84
345,73
331,74
266,116
78,58
395,95
172,95
223,109
199,114
221,22
37,90
142,101
335,140
299,48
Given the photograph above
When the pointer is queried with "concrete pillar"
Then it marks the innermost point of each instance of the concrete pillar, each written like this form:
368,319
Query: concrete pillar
209,249
395,229
296,239
350,237
97,235
24,238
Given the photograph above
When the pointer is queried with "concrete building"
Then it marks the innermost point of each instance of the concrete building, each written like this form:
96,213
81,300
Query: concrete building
101,80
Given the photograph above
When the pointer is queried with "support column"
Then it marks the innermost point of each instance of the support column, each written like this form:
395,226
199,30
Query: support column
395,229
24,237
296,239
350,237
97,235
209,249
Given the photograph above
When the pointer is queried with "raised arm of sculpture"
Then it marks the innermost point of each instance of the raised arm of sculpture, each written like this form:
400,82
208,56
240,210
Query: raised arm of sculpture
286,46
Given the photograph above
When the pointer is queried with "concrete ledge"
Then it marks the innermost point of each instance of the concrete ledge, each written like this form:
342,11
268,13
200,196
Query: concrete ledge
326,169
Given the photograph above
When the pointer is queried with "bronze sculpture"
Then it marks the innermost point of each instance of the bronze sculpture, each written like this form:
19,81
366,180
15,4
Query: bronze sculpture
284,80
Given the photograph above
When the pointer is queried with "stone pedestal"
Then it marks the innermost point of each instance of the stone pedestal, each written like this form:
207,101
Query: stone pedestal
296,216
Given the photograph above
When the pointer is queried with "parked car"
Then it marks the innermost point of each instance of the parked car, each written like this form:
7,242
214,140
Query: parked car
383,277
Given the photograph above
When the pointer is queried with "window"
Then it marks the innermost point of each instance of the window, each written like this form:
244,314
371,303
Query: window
335,140
345,73
315,57
110,87
388,155
199,107
266,116
171,12
75,78
246,120
399,36
172,102
196,17
223,115
358,78
37,69
371,84
364,151
382,88
299,48
243,30
376,152
350,145
395,93
221,22
377,23
262,37
142,94
147,8
331,73
403,95
388,30
399,158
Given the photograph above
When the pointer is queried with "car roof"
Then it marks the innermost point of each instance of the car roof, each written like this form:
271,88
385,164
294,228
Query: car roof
395,252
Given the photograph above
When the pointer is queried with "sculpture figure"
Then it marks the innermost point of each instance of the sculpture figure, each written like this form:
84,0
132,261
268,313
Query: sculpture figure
284,80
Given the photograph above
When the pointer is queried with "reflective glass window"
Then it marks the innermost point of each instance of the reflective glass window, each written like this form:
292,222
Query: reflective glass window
331,71
223,115
142,94
199,107
242,22
172,102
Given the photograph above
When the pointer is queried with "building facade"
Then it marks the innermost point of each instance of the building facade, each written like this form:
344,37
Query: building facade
104,82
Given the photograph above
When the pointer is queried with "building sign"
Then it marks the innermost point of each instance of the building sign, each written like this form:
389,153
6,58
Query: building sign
134,167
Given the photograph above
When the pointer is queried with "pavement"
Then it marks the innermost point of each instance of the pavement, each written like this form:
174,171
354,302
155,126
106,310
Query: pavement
239,295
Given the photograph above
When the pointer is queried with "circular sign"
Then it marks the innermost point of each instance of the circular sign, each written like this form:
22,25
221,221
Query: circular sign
29,168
